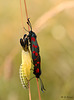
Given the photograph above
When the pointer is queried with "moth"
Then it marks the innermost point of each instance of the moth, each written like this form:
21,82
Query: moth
35,54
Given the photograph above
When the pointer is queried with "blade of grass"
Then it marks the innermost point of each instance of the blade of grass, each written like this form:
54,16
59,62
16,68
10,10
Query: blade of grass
29,92
38,89
22,16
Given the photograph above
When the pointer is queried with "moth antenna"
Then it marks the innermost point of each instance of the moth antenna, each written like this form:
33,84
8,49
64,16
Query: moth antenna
25,29
42,86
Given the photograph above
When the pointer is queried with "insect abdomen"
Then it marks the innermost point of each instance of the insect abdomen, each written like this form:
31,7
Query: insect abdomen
25,68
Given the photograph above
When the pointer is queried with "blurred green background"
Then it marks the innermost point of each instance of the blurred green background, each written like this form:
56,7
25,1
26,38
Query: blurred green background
56,40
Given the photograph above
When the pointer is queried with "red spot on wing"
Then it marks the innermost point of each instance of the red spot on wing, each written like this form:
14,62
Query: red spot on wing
33,52
32,39
36,54
38,62
35,46
35,64
37,70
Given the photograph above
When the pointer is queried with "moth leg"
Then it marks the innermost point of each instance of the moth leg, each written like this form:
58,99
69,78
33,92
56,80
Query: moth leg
32,78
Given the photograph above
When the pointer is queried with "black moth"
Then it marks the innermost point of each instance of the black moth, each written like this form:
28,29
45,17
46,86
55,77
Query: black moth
35,54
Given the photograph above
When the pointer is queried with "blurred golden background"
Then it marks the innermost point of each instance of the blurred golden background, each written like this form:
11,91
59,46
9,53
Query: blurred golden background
53,22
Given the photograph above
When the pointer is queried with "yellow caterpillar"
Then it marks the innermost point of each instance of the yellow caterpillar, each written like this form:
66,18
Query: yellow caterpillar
25,67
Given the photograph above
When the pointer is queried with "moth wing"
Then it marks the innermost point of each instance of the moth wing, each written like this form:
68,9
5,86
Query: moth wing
35,49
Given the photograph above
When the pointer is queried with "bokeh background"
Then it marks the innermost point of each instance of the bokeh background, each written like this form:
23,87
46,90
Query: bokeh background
53,22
